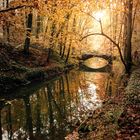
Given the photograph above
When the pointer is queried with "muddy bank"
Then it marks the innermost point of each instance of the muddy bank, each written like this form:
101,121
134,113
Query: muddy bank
8,83
16,69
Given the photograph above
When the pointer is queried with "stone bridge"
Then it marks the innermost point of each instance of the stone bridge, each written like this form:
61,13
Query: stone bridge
108,58
106,68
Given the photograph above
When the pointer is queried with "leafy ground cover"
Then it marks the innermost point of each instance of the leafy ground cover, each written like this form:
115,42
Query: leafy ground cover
17,69
129,121
118,118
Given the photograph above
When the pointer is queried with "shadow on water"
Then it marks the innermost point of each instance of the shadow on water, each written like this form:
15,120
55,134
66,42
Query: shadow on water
105,69
50,110
32,121
86,65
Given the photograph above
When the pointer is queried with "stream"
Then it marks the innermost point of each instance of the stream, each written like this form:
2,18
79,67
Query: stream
50,110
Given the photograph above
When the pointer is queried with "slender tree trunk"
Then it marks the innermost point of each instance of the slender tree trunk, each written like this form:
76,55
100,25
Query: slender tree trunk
69,49
6,25
3,4
63,52
61,32
128,36
60,48
68,54
65,35
7,22
49,55
51,43
28,33
38,28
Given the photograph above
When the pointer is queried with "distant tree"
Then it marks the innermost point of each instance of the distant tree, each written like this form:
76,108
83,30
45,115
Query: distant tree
6,22
28,33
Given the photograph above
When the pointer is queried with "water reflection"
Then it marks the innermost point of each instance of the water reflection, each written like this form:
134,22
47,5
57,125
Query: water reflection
51,111
96,62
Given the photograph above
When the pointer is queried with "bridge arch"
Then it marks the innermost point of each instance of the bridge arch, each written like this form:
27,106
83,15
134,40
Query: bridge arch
106,68
108,58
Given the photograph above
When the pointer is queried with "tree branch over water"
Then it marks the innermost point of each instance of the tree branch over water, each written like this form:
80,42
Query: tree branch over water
105,35
109,38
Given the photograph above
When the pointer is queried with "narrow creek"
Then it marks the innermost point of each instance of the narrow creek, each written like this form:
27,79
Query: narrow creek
51,109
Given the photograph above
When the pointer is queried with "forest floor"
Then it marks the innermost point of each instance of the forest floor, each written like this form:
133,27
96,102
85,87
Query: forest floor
119,116
129,120
17,69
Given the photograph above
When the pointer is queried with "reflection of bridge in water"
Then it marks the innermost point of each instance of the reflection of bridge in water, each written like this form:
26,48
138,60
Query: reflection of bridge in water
106,68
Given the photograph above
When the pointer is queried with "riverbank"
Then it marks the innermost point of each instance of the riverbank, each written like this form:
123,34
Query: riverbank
119,116
16,69
129,120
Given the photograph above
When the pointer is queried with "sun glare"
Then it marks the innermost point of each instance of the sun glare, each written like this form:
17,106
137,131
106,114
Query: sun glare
99,14
102,15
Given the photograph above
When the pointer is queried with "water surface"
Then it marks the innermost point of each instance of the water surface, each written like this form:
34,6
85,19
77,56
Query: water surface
50,110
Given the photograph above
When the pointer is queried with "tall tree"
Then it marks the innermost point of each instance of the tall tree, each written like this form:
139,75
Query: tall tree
28,33
128,34
7,23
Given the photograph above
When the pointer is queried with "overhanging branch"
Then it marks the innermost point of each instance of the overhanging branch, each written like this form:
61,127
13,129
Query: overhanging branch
110,39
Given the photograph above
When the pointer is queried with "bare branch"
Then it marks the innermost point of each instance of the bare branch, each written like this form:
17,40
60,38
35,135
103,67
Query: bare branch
101,26
90,16
109,38
12,8
100,21
103,34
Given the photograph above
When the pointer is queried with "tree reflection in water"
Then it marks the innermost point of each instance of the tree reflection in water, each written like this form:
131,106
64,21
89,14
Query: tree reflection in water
53,109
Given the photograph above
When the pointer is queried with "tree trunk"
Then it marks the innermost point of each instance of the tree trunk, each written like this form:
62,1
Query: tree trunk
63,52
28,33
60,48
68,54
6,25
51,41
49,55
128,36
38,28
